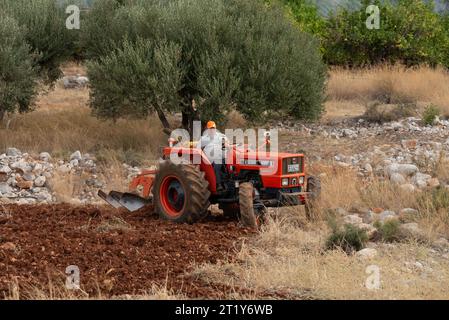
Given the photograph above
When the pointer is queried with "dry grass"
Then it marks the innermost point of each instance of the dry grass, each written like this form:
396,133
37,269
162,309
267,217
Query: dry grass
56,290
390,84
288,256
61,132
62,123
291,261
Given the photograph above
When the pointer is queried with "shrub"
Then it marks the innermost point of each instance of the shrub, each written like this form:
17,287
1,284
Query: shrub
389,230
377,112
437,198
349,238
223,54
429,114
17,72
410,32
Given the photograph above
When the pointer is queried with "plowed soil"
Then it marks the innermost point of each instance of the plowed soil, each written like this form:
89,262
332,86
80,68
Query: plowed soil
117,252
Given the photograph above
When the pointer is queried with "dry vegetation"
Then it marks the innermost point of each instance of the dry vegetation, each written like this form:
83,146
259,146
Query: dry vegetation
350,91
62,124
289,255
58,291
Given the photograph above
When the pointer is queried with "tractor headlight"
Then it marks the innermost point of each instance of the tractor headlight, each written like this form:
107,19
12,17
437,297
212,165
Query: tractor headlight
301,180
284,182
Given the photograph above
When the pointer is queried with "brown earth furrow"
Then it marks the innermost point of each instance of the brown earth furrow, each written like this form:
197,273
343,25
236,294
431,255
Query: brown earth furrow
117,252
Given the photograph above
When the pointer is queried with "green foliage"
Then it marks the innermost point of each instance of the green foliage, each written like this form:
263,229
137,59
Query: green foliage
43,28
429,114
17,73
307,16
410,32
435,199
224,54
152,79
389,230
349,238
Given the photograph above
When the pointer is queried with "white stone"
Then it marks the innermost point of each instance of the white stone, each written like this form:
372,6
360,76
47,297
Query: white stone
397,178
45,156
367,253
21,165
5,188
421,179
408,212
13,152
368,168
65,168
76,155
40,181
5,169
404,169
28,177
411,230
370,217
387,215
353,219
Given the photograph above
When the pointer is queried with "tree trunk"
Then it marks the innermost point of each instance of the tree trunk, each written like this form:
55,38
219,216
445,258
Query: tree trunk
2,115
185,120
163,119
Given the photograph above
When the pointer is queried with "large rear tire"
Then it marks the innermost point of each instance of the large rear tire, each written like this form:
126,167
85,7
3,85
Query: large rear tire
181,192
246,199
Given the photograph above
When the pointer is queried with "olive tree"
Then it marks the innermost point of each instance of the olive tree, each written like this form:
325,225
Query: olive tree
159,56
17,71
34,42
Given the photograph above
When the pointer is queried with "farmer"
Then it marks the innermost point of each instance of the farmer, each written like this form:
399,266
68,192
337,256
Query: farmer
213,143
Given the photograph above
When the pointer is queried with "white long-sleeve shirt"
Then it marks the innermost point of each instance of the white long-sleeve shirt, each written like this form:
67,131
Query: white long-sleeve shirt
212,146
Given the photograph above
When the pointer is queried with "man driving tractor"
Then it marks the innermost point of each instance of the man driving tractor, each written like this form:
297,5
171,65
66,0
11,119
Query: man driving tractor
213,143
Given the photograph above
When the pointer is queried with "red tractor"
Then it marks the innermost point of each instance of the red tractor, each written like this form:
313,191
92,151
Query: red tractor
183,192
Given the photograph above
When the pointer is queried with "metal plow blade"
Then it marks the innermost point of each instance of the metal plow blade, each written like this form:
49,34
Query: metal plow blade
130,201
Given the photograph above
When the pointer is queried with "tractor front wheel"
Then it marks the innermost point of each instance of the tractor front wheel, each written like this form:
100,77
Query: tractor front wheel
181,192
246,199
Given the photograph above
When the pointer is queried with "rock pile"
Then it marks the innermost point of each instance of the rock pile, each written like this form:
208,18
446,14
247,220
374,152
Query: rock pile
371,221
362,129
28,180
407,163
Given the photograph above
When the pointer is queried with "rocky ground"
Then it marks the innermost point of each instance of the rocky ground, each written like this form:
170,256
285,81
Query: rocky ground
123,253
25,179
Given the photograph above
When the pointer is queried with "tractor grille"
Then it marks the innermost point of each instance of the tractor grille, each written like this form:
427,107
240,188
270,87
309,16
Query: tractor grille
293,165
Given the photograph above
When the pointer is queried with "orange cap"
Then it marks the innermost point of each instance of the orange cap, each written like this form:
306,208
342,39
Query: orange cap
211,125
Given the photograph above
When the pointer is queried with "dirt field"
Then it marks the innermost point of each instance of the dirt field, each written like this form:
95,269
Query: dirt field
117,252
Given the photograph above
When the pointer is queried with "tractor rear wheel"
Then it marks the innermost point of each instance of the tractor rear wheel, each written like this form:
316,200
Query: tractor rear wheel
246,199
181,192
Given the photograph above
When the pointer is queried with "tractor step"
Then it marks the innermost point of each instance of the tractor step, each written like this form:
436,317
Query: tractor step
130,201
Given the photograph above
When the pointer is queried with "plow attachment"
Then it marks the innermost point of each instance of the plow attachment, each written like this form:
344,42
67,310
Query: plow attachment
132,201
